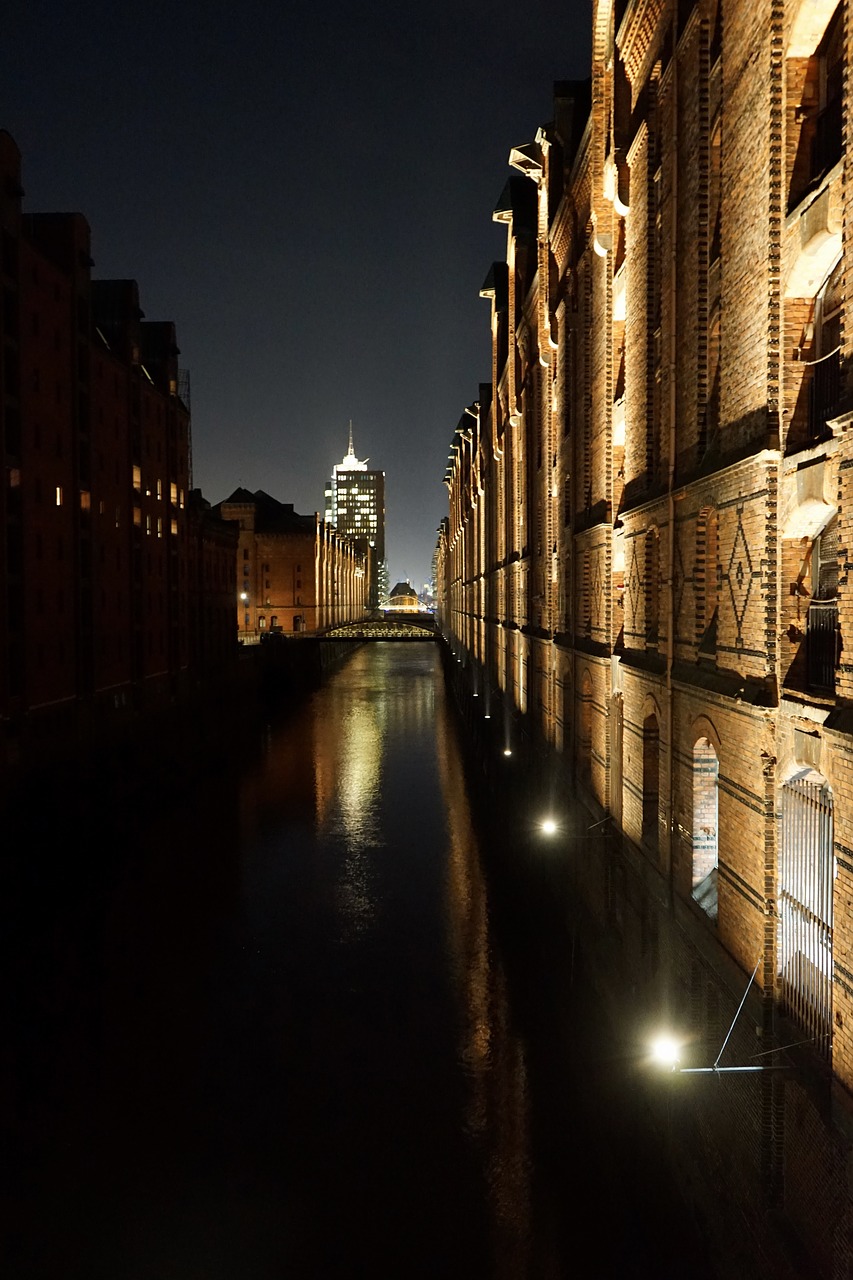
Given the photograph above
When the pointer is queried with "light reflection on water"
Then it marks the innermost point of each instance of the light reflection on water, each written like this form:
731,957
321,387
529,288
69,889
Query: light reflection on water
354,816
409,916
284,1041
491,1054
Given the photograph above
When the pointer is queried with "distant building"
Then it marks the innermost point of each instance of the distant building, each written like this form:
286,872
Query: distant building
294,573
355,506
403,596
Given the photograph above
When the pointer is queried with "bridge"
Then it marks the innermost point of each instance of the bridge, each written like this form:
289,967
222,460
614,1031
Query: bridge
391,626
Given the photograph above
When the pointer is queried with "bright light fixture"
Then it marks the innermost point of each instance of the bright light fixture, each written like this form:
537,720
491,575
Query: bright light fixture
507,751
549,827
666,1051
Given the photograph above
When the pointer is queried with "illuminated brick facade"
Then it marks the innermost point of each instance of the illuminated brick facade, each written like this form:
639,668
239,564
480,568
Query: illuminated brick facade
294,573
644,571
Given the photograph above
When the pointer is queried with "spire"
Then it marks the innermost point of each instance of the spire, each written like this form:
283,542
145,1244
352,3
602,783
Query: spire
351,462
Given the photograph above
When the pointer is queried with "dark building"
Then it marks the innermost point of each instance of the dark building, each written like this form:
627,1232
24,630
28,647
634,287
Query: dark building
95,622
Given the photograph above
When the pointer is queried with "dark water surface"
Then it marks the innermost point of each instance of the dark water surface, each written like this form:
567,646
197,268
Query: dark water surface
294,1029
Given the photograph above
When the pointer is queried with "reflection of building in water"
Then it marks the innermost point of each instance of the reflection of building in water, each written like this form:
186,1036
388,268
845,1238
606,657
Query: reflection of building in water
347,788
285,783
498,1106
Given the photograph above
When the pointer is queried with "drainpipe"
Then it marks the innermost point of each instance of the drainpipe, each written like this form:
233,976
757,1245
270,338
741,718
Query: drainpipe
673,408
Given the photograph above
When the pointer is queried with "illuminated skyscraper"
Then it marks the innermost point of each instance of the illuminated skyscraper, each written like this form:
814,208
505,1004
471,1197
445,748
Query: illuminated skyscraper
355,505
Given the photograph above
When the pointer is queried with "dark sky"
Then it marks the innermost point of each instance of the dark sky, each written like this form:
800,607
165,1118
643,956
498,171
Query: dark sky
306,190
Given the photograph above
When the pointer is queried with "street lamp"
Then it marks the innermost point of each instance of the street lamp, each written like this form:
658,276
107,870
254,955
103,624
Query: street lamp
666,1048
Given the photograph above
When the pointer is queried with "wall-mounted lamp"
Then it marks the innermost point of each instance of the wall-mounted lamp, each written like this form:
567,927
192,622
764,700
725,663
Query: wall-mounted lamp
666,1049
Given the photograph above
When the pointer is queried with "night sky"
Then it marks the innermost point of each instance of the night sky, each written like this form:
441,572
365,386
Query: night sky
306,189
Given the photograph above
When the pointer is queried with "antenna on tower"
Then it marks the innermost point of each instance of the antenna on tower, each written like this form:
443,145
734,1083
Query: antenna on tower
350,437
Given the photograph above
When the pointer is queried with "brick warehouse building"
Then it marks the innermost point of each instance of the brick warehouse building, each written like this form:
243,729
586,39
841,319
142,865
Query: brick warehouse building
644,572
294,573
106,569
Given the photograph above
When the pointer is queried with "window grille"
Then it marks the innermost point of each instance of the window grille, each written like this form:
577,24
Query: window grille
822,629
706,771
806,876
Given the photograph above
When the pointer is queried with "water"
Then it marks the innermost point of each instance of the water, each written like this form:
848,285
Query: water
295,1028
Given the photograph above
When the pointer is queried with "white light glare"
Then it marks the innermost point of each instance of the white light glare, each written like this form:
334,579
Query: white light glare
507,751
549,827
665,1050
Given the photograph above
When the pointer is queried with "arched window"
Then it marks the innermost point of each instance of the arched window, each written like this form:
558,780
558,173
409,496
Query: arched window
825,381
706,771
806,881
822,629
818,115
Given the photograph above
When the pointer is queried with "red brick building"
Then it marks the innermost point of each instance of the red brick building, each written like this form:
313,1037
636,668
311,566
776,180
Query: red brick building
95,622
294,573
644,570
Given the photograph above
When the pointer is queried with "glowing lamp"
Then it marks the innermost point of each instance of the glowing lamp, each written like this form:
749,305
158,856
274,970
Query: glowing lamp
666,1051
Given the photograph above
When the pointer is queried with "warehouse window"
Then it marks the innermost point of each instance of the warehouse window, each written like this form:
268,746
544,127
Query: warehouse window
825,362
817,119
822,634
806,881
706,771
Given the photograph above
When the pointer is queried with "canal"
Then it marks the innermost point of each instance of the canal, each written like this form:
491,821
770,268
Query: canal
300,1025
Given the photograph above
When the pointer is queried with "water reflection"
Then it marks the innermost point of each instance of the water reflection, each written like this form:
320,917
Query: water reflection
493,1056
279,1032
352,812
